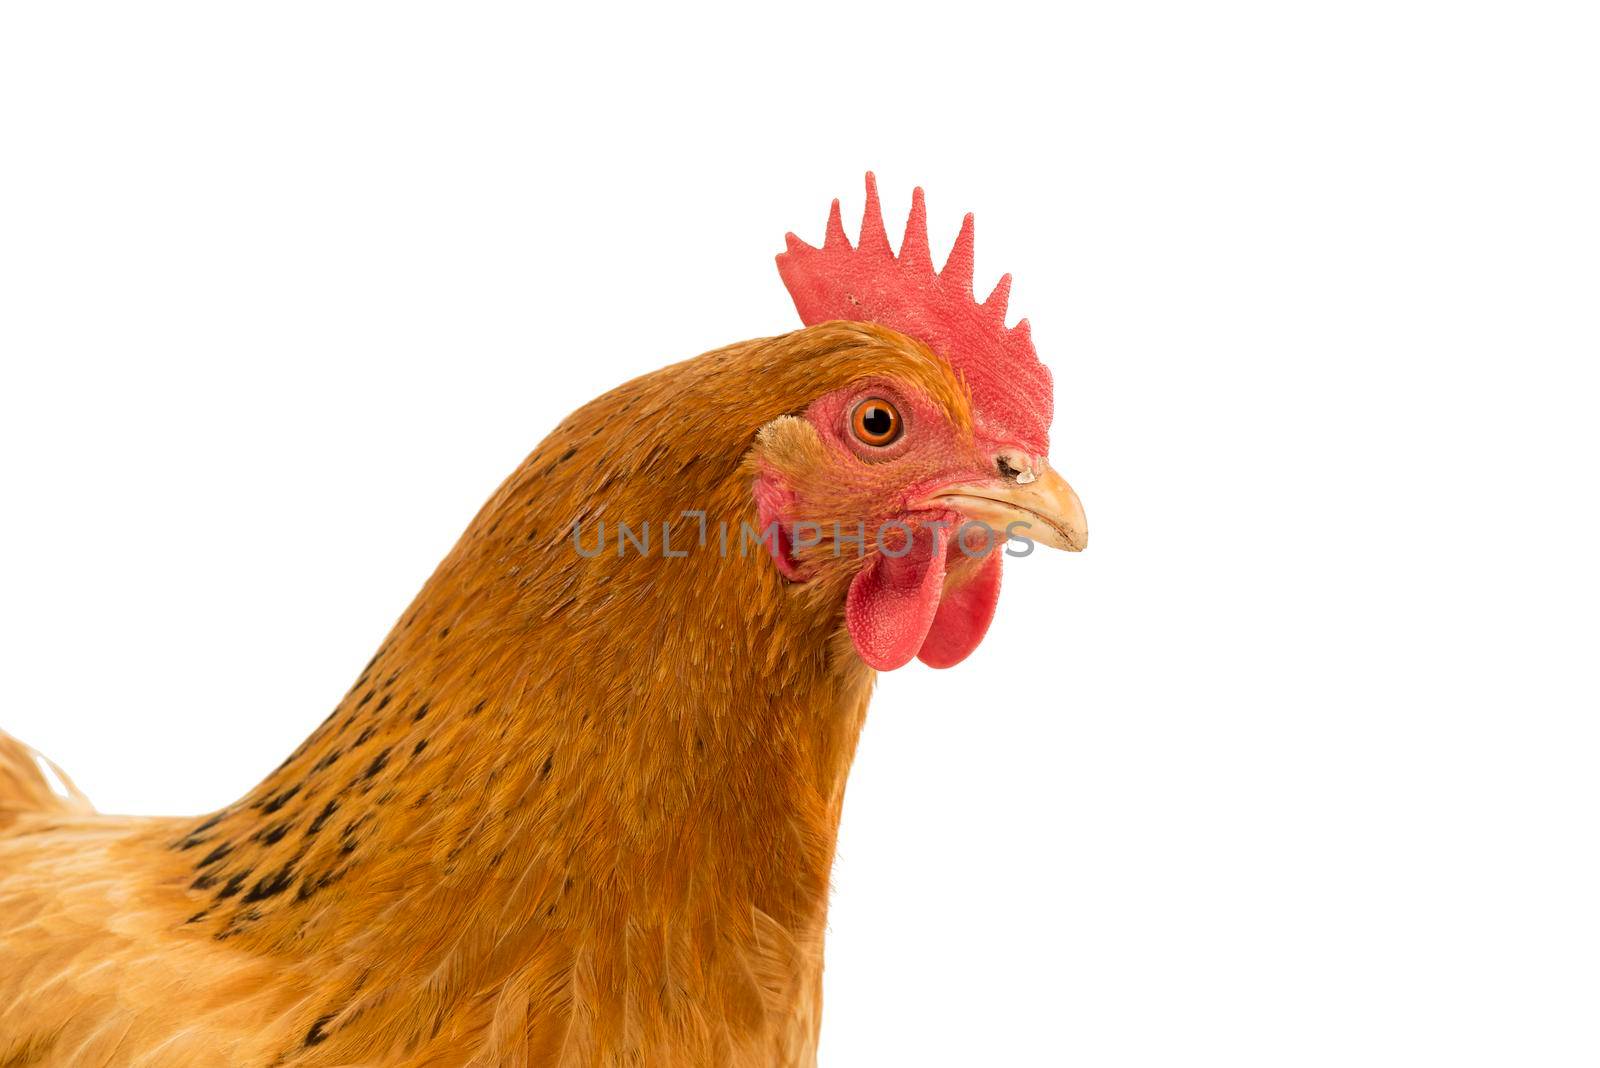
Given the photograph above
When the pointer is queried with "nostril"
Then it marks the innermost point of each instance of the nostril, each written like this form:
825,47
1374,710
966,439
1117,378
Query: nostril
1016,466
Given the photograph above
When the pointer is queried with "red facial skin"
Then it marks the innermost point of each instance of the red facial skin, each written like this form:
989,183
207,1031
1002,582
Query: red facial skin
934,600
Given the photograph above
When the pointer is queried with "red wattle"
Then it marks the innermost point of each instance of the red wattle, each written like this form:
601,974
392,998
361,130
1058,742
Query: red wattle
964,615
892,603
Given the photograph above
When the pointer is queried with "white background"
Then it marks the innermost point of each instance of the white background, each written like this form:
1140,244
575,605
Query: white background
1296,765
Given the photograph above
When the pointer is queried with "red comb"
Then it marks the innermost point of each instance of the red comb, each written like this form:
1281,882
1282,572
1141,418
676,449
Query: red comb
869,283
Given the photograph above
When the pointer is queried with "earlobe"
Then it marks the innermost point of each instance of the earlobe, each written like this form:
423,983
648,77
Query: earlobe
786,444
774,507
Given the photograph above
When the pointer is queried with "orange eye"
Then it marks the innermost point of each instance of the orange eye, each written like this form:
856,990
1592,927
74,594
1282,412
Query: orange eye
875,422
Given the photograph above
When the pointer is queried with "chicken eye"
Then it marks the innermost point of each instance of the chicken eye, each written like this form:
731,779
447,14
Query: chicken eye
875,422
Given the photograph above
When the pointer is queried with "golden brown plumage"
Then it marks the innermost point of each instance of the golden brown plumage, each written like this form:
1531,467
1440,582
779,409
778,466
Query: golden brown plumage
576,811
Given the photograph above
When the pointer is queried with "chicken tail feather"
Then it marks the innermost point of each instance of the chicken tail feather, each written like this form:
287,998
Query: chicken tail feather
31,782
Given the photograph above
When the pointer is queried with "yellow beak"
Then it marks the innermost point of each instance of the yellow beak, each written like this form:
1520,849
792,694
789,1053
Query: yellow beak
1045,509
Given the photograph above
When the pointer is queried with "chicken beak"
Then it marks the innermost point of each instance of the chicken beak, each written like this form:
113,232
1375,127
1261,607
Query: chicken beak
1043,509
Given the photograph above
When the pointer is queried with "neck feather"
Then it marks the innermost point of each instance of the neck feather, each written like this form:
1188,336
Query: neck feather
554,755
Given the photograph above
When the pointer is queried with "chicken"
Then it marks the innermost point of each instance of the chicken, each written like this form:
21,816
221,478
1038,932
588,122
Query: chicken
580,808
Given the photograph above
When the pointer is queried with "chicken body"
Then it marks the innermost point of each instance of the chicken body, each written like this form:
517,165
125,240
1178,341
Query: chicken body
577,811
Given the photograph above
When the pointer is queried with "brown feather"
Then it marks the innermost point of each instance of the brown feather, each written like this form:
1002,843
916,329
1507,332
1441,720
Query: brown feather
574,812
